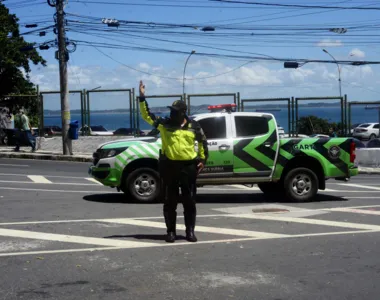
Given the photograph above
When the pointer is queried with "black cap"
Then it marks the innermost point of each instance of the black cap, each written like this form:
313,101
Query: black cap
178,105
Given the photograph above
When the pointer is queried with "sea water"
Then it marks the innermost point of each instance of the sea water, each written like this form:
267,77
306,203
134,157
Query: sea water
113,121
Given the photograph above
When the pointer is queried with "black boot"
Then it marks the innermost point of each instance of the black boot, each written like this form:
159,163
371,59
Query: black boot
170,220
190,224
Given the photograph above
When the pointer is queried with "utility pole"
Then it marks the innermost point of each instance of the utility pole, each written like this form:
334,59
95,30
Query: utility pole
63,58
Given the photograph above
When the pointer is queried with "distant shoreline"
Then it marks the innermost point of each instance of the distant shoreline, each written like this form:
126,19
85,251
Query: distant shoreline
195,108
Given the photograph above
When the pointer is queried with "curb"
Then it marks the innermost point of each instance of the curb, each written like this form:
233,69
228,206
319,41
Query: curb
373,171
41,156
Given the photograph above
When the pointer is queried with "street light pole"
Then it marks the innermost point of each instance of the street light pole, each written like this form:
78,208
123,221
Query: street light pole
184,71
63,58
340,81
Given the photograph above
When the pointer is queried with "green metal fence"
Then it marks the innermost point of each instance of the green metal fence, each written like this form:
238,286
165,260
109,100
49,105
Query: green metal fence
288,100
342,105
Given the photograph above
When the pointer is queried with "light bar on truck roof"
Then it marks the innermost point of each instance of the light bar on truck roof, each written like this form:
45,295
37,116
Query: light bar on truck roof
227,107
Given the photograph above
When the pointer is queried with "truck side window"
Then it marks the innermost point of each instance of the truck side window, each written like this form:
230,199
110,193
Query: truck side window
214,128
250,126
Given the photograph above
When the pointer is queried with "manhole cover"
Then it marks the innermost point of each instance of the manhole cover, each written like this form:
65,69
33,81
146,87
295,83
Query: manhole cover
269,210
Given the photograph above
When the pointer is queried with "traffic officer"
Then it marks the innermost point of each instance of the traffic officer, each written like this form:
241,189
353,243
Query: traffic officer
179,163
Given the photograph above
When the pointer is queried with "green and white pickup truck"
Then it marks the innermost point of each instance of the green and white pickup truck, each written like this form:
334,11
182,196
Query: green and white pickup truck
244,148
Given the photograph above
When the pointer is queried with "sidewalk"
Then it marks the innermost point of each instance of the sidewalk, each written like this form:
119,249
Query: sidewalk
25,153
8,152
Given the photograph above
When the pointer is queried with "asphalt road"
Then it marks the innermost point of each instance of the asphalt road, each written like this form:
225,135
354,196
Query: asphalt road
63,236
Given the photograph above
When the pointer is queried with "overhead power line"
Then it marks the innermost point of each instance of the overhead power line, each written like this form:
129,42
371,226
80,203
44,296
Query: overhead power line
297,5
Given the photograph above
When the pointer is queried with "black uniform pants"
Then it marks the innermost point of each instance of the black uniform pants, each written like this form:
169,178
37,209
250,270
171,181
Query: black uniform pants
178,175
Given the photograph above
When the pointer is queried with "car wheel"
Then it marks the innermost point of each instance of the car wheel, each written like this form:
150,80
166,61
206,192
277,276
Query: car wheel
272,189
301,185
143,185
372,136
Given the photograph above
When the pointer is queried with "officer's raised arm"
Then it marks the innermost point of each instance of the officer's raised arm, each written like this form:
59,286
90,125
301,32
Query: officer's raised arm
148,117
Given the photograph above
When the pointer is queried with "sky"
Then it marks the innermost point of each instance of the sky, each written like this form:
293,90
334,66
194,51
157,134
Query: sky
243,31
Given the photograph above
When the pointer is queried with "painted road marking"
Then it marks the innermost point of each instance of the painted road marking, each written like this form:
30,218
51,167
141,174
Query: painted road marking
243,187
220,215
38,179
360,186
53,176
57,191
11,165
313,222
357,211
93,180
217,230
55,183
182,243
72,238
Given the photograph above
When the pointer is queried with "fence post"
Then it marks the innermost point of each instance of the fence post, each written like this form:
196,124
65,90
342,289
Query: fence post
296,120
81,109
289,121
347,130
41,117
292,105
137,114
238,101
88,111
133,108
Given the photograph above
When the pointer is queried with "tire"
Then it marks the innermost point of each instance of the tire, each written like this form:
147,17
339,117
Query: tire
372,136
143,185
272,189
301,185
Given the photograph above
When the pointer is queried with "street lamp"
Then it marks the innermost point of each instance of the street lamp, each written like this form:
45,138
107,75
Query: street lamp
340,81
184,70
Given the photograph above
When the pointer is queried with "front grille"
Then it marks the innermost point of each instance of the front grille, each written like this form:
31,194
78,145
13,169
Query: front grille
101,174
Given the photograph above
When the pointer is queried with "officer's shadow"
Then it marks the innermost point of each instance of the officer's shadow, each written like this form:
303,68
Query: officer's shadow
152,237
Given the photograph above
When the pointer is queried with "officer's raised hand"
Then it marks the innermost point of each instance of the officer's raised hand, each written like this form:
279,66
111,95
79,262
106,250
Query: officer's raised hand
142,89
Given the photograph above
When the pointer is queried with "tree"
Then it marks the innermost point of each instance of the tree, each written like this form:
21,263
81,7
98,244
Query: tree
312,124
13,60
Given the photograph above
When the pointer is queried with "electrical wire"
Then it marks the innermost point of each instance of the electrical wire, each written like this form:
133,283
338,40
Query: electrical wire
296,5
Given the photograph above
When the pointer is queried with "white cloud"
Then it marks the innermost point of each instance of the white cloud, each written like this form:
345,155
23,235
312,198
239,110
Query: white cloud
330,43
357,53
254,80
144,66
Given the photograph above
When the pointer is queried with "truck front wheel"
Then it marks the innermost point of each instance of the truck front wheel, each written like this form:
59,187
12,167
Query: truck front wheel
301,185
143,185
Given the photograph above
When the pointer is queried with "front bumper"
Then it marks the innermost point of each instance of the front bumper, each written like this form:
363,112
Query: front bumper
105,174
354,171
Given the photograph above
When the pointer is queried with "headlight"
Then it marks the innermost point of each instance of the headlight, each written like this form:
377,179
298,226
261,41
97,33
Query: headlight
106,153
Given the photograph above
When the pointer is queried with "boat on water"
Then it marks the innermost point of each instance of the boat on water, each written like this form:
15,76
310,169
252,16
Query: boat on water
372,107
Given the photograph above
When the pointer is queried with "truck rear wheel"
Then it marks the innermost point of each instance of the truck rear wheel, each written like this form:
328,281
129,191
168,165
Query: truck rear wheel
143,185
301,185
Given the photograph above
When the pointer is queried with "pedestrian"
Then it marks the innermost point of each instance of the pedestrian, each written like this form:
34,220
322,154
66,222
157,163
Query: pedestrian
332,133
26,132
179,162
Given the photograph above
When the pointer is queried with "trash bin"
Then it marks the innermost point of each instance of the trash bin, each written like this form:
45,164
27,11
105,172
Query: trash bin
73,130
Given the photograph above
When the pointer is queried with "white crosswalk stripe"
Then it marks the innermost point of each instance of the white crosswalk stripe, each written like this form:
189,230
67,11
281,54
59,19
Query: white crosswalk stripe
38,179
93,180
215,233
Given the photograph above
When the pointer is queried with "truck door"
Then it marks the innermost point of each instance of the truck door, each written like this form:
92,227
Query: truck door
217,129
255,148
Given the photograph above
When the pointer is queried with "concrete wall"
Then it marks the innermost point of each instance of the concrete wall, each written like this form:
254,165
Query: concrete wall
368,157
